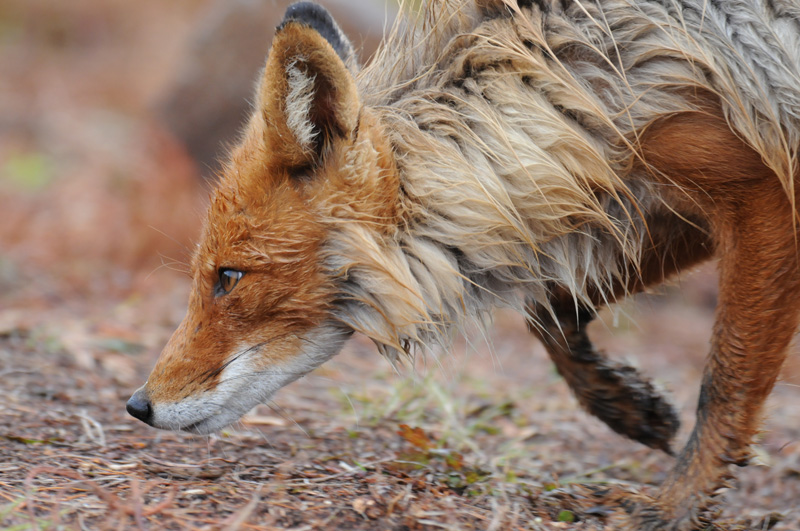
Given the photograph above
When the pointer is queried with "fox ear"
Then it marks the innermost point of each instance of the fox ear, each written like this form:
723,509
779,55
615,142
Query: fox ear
307,97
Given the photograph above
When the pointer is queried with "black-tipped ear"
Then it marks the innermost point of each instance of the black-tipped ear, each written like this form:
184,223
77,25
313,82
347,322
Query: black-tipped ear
307,98
318,18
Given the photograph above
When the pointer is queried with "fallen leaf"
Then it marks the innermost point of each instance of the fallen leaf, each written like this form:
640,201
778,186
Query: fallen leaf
415,436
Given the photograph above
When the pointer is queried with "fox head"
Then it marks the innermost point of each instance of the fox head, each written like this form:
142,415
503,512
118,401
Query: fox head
265,306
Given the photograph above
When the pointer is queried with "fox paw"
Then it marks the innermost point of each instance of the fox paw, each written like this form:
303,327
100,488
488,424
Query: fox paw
635,511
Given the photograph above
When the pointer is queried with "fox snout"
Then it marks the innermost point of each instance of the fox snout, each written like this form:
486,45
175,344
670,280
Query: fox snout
202,390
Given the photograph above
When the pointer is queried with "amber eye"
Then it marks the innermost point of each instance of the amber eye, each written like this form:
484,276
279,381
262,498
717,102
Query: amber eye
228,278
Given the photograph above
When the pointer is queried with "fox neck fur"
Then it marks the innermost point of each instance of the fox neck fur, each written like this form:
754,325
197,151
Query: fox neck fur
517,131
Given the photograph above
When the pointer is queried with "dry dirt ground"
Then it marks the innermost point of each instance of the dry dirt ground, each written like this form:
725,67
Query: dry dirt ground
98,205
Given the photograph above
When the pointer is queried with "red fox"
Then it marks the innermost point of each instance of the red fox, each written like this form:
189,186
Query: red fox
551,156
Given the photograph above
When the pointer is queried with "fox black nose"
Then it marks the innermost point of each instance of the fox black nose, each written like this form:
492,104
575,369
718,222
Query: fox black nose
139,406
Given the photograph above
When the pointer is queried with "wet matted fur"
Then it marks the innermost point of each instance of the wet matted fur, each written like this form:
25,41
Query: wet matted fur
548,156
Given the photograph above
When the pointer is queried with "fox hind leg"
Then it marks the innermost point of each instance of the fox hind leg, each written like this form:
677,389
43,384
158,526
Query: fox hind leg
757,316
753,225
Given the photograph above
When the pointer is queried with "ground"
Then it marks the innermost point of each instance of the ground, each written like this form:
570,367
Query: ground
100,206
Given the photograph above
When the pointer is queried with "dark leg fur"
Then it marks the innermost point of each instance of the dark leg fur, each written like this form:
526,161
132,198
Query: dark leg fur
610,390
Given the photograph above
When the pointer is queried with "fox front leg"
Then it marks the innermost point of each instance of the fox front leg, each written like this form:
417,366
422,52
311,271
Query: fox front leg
610,390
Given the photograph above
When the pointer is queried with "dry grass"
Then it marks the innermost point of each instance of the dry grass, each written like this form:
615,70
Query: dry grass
487,440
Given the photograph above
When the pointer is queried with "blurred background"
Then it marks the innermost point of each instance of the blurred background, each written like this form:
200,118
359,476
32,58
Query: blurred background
112,120
113,115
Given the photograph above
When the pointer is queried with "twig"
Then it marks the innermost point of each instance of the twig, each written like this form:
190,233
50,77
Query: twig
355,470
134,509
236,520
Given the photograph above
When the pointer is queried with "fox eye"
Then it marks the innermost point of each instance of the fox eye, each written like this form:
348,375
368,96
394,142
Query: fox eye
228,278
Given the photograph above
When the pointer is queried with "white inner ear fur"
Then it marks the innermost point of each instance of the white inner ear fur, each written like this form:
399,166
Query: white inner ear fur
298,104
